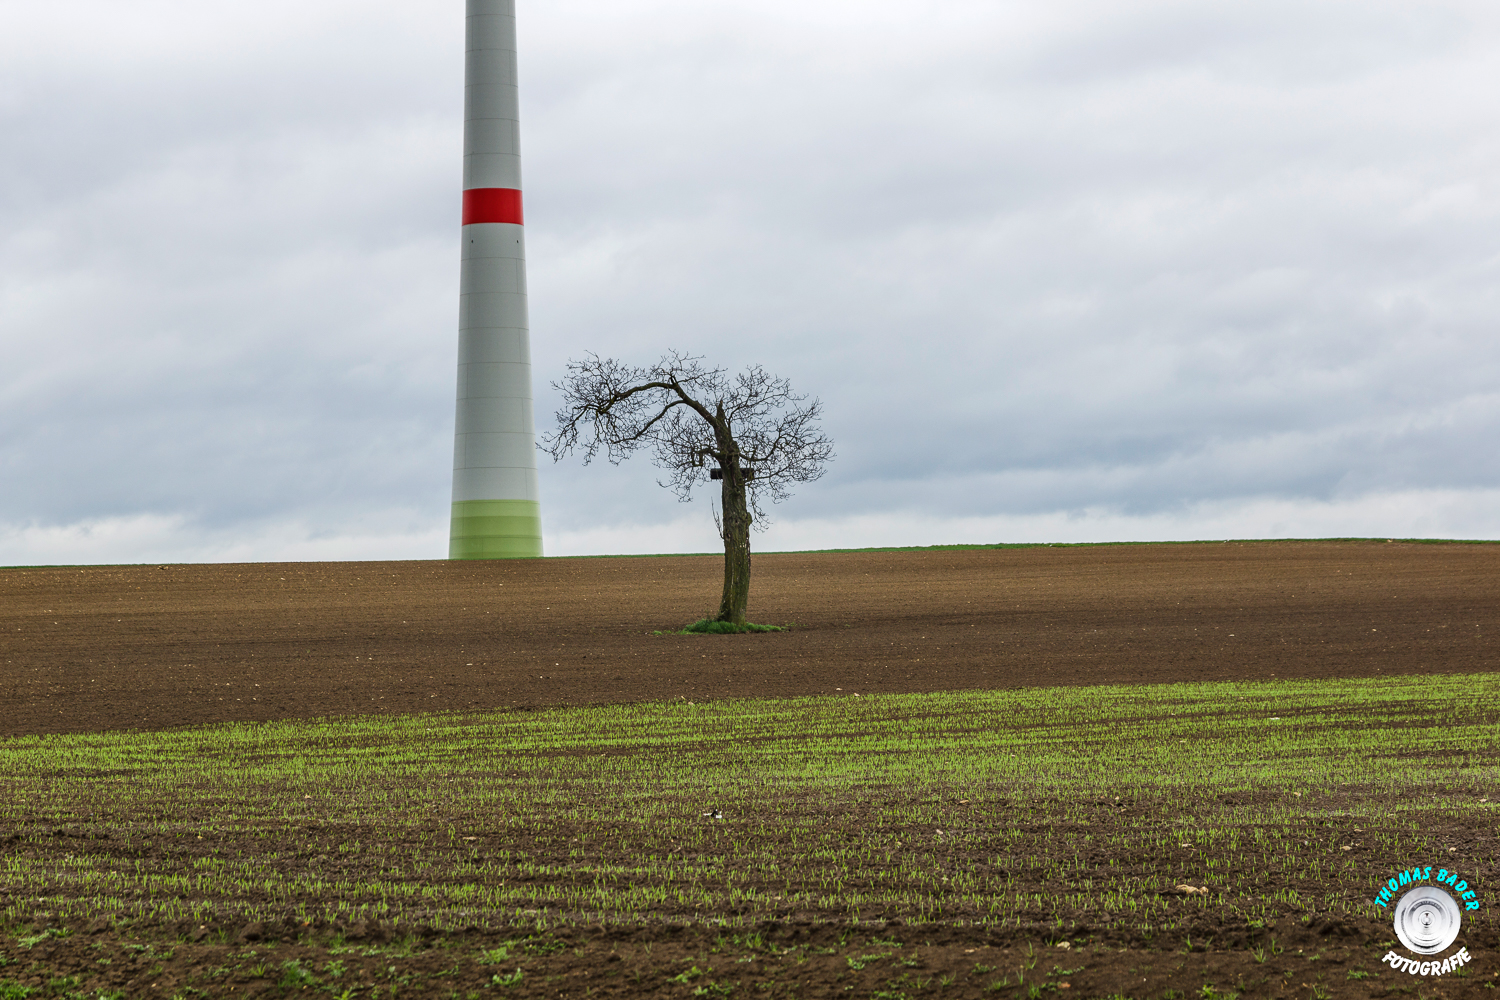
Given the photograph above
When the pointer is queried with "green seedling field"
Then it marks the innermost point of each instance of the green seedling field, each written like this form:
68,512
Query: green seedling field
1032,809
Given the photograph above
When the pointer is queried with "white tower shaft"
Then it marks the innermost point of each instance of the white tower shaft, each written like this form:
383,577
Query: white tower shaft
496,509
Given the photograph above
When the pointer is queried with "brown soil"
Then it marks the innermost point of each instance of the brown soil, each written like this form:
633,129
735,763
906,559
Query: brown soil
88,649
146,647
778,960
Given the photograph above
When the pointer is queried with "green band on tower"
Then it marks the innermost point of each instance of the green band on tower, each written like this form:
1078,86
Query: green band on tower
496,529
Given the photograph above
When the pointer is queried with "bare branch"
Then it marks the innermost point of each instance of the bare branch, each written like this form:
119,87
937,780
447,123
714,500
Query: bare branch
761,436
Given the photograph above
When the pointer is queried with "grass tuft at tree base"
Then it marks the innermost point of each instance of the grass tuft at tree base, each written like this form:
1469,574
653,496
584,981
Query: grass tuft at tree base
712,626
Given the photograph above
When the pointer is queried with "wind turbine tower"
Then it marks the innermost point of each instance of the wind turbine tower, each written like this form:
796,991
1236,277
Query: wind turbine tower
496,508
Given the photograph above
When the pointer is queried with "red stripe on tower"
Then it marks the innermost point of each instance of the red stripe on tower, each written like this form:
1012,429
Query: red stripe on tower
492,205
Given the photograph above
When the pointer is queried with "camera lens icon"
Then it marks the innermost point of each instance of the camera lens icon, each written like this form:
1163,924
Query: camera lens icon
1427,920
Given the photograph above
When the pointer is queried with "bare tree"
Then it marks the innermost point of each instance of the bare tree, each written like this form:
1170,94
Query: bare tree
760,437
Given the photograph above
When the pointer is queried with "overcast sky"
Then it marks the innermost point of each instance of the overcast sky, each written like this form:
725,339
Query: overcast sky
1058,270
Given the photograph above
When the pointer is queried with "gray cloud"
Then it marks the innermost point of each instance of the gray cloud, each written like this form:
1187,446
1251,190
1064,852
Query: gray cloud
1033,257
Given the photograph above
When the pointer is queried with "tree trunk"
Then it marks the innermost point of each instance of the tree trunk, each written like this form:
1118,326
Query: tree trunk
736,597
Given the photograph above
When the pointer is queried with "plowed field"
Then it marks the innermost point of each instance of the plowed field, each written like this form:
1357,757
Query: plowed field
147,647
1215,843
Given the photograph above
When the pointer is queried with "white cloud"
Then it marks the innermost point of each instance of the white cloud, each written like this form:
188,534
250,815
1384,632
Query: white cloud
1412,514
155,538
1407,514
158,539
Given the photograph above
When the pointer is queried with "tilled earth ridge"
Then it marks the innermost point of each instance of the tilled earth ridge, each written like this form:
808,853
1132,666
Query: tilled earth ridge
144,647
1317,959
